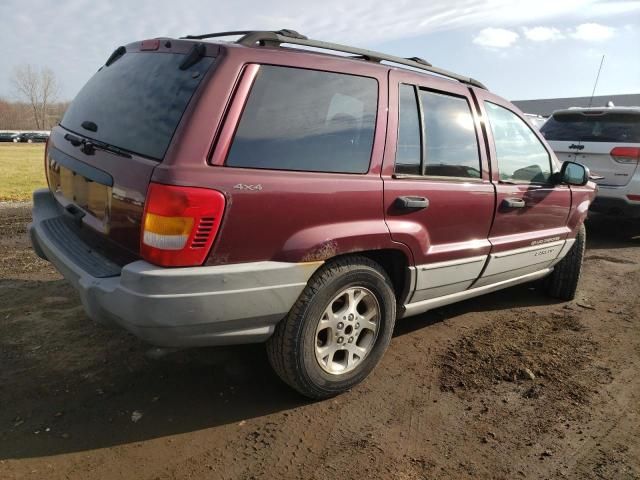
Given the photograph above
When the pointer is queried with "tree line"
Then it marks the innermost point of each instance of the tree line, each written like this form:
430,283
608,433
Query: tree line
36,106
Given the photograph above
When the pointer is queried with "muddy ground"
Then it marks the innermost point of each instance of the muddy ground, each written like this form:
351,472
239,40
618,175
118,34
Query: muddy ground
510,385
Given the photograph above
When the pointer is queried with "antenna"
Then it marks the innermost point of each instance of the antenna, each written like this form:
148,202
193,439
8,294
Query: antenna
596,84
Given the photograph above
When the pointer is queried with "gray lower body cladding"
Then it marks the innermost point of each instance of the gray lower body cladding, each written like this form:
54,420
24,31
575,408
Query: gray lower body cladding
173,307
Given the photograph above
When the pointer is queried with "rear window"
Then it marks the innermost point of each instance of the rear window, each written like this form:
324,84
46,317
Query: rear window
608,127
137,101
307,120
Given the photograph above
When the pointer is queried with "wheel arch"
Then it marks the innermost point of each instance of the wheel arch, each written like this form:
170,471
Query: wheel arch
396,263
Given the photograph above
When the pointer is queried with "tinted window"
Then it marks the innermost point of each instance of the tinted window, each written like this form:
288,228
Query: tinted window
609,127
308,120
450,136
137,101
521,156
408,152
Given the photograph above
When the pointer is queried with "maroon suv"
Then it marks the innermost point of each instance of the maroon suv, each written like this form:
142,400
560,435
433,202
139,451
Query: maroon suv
205,193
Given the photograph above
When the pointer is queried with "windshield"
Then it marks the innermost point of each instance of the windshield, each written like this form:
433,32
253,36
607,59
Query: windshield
136,102
608,127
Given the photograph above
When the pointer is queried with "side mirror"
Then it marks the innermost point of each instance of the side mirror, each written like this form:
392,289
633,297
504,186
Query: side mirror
573,173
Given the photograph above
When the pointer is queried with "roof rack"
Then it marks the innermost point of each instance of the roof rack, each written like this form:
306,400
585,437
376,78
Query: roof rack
252,38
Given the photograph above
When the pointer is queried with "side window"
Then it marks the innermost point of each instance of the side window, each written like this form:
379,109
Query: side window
409,151
521,156
450,136
307,120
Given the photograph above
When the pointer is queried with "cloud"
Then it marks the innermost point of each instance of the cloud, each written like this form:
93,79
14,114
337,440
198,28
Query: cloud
542,34
496,37
592,32
613,7
61,41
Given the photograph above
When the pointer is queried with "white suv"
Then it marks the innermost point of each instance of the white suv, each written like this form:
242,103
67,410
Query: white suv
607,140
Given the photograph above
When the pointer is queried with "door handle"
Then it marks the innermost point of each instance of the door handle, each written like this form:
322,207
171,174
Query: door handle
412,203
513,203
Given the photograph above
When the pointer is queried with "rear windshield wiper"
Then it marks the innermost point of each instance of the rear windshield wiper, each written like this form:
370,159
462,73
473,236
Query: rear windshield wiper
88,146
75,141
106,147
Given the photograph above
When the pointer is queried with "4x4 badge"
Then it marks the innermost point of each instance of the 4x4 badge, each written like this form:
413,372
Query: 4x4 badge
244,186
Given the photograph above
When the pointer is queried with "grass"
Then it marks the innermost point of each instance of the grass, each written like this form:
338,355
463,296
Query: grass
21,170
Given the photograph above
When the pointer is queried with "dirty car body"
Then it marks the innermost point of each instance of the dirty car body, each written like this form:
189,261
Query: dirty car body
203,223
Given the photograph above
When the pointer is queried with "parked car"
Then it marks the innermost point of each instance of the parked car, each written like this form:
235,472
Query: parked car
31,137
607,140
302,199
7,136
19,137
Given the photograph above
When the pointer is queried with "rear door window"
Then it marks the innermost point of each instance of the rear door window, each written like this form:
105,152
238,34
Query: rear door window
307,120
450,136
137,101
521,156
436,135
409,149
602,127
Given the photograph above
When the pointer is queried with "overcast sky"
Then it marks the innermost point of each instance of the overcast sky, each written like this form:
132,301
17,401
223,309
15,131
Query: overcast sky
519,49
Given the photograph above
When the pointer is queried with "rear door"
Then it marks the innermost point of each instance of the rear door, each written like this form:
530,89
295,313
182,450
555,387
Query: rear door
598,138
530,225
115,132
438,197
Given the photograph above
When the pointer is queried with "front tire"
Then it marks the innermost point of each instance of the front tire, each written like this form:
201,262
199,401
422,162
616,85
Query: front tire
563,281
338,329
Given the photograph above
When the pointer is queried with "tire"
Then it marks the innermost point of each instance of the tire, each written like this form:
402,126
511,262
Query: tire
563,282
313,328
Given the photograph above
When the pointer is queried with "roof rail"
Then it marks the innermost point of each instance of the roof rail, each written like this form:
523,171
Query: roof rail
252,38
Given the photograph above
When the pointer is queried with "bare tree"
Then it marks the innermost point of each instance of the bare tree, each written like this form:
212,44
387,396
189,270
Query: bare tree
39,88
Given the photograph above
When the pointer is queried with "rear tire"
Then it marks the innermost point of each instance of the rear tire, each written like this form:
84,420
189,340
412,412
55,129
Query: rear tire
563,282
338,329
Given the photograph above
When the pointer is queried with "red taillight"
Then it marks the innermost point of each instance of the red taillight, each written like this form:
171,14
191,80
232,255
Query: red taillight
635,198
179,224
626,154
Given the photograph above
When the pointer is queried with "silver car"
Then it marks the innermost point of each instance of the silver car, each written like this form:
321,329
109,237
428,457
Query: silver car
607,140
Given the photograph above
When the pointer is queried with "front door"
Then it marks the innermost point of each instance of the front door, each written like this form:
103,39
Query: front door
438,196
530,225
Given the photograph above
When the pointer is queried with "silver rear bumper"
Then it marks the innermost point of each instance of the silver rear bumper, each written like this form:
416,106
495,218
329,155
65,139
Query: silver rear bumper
173,307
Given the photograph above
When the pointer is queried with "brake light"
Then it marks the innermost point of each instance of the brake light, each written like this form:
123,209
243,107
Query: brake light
179,224
626,154
152,44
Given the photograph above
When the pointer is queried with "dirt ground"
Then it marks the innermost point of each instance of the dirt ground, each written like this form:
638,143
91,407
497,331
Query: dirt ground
510,385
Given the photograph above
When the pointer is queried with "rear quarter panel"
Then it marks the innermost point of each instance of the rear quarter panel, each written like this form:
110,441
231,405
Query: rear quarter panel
581,198
270,214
